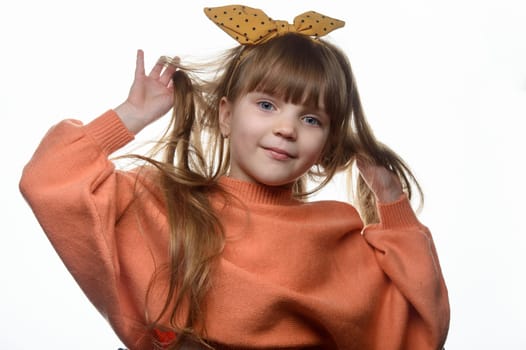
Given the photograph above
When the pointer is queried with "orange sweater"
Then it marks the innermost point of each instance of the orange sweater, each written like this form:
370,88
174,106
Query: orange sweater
292,274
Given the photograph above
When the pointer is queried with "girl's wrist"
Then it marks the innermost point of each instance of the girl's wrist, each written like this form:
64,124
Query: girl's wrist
389,196
128,115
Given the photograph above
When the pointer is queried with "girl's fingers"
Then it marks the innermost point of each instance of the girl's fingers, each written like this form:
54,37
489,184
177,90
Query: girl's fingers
166,77
364,167
139,64
164,69
156,70
383,182
170,67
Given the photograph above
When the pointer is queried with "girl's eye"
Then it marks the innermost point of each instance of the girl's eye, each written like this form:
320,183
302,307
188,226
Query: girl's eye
268,106
311,120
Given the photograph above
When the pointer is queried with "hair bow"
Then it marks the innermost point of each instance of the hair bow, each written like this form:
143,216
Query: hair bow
250,26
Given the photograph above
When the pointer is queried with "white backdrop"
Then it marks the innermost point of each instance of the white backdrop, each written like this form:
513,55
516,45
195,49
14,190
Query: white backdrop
443,83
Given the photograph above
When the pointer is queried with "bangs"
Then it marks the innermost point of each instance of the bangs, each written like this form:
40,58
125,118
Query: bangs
296,69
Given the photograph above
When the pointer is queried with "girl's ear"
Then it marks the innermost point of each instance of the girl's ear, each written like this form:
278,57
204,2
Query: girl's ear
225,116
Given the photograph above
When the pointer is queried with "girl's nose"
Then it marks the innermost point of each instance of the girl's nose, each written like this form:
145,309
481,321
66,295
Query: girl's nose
286,129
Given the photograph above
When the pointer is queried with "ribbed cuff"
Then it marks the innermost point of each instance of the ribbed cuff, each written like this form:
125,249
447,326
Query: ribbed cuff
397,214
258,194
109,132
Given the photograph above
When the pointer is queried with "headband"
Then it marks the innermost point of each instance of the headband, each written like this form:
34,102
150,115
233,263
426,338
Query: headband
250,26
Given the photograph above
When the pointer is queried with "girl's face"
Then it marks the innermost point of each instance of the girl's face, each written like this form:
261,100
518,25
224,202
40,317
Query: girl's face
272,142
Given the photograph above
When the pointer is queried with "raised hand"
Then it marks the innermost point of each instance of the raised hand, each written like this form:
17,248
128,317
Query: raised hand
150,96
385,184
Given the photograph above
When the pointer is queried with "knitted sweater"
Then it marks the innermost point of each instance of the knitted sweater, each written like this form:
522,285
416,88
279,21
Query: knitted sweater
292,274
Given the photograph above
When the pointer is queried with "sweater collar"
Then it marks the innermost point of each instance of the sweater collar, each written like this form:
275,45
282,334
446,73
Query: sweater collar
256,193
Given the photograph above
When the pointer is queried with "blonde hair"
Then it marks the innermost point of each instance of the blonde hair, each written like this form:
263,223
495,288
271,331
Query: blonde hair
298,69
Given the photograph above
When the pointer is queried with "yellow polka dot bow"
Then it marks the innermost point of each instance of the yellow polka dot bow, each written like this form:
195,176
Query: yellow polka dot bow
250,26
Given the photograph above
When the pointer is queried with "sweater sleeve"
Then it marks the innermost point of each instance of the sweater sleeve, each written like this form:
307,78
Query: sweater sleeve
417,303
78,196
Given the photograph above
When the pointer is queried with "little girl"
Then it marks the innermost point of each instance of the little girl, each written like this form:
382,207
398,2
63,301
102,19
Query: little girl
214,245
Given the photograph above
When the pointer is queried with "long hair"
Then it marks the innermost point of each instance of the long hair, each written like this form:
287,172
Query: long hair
298,69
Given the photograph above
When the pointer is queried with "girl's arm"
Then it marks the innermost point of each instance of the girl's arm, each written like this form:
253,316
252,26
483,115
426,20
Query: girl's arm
80,199
418,304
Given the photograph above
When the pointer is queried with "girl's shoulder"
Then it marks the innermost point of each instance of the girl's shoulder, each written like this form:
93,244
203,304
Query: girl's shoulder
331,207
330,216
144,182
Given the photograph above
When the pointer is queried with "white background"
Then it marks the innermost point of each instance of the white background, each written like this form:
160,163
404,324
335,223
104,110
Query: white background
443,83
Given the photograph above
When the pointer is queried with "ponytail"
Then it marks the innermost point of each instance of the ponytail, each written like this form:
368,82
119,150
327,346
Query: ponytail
379,154
196,234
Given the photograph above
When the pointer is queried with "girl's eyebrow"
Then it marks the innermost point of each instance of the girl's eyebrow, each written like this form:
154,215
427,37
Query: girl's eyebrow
310,108
265,95
318,110
323,115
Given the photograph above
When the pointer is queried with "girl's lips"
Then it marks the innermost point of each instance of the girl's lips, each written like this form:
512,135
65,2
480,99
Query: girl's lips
278,153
